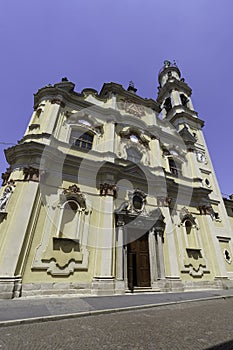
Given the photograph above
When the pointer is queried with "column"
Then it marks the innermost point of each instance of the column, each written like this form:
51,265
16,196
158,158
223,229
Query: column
120,252
159,237
120,284
153,257
171,245
175,98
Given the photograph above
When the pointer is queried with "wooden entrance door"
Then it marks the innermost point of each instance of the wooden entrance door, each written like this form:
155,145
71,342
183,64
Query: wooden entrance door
138,263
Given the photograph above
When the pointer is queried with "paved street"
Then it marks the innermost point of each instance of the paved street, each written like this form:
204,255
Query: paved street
42,307
196,325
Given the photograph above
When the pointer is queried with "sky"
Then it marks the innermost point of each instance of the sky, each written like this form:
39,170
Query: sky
97,41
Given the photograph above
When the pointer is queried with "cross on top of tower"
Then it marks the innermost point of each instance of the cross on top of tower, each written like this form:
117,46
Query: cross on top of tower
131,83
168,63
131,87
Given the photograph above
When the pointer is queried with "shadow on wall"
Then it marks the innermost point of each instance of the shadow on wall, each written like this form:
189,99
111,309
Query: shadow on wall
224,346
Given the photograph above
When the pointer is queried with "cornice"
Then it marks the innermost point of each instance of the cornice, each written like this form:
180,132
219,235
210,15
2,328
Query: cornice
181,109
119,90
167,69
200,194
49,92
24,154
179,192
228,202
52,91
43,135
173,84
185,115
30,153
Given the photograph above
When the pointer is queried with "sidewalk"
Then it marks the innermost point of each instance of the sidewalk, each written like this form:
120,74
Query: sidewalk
40,309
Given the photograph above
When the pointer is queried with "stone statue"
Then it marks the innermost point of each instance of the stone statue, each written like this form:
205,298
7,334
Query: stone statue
124,206
5,176
6,195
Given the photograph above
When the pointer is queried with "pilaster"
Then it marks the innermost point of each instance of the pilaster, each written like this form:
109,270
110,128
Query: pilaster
160,254
175,98
156,156
170,241
52,117
15,234
103,282
216,258
107,143
120,275
153,258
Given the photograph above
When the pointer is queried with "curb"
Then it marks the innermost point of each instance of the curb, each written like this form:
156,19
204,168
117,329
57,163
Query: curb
104,311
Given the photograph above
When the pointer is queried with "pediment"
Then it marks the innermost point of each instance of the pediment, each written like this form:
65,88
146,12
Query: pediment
134,170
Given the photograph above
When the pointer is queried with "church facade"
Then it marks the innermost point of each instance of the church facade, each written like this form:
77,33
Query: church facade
108,193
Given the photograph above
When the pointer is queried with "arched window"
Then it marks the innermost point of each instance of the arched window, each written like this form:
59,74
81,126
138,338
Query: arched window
38,112
175,167
70,220
82,139
84,122
188,227
85,141
167,104
184,100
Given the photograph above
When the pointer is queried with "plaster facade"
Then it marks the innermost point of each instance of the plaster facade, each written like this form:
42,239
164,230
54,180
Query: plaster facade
108,193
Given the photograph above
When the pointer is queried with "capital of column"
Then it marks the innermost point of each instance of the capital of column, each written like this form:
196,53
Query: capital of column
164,201
120,223
58,102
159,232
107,189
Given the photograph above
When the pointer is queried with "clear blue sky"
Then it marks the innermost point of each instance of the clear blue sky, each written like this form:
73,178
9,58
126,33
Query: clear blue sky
97,41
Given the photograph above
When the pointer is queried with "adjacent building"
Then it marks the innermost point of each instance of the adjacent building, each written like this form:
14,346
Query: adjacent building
108,192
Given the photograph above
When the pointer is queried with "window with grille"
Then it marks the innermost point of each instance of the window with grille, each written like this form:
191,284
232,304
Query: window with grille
82,140
175,167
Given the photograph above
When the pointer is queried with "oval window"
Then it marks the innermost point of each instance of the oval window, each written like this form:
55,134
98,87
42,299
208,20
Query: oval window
137,202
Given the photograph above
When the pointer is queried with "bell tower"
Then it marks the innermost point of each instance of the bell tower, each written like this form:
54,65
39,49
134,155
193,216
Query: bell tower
174,95
174,99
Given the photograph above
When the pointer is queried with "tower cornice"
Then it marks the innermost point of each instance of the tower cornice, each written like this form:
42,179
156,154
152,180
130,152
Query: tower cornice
185,117
173,84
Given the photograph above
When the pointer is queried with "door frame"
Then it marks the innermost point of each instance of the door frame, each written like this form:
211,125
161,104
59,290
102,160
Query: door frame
138,274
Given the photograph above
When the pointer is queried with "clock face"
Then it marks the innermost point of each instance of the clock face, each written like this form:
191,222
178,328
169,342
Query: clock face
201,157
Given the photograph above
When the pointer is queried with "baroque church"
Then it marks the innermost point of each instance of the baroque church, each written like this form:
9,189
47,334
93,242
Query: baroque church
111,193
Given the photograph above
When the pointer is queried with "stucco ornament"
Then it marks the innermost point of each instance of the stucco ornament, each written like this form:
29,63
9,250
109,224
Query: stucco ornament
6,195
